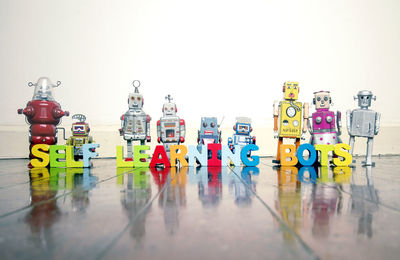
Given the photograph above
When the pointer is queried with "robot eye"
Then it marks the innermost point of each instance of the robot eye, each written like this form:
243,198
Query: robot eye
138,98
367,97
326,98
295,87
212,124
204,124
132,98
288,87
318,98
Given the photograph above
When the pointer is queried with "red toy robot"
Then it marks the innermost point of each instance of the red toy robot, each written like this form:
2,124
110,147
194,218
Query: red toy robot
43,113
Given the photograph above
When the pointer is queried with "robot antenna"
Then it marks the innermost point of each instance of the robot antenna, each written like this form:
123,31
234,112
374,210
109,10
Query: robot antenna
136,85
58,83
169,98
30,84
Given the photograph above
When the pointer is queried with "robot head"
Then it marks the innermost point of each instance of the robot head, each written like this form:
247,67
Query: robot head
43,89
243,126
169,109
80,128
135,100
291,90
364,98
209,126
322,99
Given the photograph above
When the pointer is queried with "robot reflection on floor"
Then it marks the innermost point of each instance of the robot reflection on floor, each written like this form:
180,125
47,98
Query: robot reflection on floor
135,123
290,113
323,128
43,113
242,135
363,122
170,128
80,135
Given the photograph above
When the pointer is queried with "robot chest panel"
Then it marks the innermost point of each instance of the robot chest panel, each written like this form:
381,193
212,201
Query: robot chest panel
170,129
135,124
290,120
80,141
363,123
323,120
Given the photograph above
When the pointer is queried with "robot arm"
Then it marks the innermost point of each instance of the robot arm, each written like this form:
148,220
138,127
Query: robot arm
276,115
29,111
158,131
121,130
57,113
198,136
310,129
230,142
305,117
182,130
377,122
148,137
339,122
348,120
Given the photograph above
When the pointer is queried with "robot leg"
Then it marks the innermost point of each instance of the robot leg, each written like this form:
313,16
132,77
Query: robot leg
278,153
129,148
368,156
351,143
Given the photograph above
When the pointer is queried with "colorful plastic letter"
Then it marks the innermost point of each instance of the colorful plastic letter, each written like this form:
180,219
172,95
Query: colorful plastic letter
313,154
200,156
70,161
178,156
138,156
244,152
347,158
38,151
160,151
234,156
324,149
284,155
121,163
214,161
55,156
88,153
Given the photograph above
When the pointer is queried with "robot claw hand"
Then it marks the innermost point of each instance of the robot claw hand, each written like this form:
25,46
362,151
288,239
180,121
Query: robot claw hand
121,132
148,138
276,135
303,136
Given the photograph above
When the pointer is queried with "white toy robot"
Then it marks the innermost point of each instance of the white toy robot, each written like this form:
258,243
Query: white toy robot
363,122
135,123
170,128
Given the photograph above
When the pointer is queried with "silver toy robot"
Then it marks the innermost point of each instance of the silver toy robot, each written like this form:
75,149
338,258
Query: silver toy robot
170,128
135,123
363,122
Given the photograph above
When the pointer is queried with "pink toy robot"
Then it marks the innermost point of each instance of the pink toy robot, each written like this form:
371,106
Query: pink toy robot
323,130
43,113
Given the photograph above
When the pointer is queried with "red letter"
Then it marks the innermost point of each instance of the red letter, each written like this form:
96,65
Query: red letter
156,157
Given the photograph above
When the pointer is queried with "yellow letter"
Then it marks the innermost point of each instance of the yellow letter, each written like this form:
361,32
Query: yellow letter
324,149
40,154
178,156
284,155
347,158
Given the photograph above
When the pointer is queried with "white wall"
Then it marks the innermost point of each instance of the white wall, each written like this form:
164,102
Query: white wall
215,57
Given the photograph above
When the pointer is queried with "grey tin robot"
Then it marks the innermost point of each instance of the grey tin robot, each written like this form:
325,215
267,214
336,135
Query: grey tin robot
135,123
363,122
170,128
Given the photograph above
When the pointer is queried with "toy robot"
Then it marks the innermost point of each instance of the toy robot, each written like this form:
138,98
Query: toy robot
363,122
209,133
170,129
290,113
323,129
135,123
242,135
80,135
43,113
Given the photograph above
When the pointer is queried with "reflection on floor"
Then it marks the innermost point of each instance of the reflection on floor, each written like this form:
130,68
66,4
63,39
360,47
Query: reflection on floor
196,213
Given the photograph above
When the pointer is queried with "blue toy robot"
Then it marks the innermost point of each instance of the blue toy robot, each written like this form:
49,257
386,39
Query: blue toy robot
242,135
209,133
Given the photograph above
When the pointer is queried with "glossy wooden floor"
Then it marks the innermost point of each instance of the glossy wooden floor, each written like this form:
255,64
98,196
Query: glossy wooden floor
204,213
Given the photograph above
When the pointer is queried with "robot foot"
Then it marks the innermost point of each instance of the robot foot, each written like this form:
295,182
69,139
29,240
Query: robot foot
364,163
128,159
142,159
276,161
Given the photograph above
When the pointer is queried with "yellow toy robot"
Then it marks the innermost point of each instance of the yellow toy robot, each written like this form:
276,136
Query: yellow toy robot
291,115
80,135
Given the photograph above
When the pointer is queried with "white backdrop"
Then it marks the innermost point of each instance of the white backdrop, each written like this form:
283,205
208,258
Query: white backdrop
215,57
